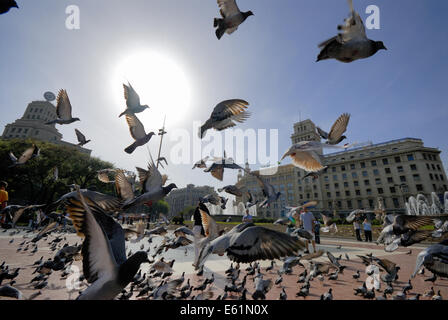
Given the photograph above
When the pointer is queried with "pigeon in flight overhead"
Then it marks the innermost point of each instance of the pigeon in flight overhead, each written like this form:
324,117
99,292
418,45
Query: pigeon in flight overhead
225,114
337,130
63,110
123,187
153,188
351,43
132,101
232,17
30,153
137,132
247,243
268,190
217,167
105,265
304,154
81,138
5,5
232,189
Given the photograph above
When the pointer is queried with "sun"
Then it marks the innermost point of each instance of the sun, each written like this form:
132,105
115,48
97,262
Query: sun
161,84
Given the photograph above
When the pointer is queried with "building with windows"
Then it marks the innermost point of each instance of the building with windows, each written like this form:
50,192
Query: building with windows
179,199
32,126
383,174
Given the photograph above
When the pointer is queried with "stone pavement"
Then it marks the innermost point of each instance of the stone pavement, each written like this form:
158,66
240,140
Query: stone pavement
342,288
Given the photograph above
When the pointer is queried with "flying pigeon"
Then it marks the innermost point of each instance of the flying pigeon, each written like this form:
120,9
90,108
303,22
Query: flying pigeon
5,5
81,138
63,110
225,115
153,188
268,190
30,153
201,163
105,265
232,17
352,43
435,259
337,130
232,189
137,132
217,167
248,243
132,101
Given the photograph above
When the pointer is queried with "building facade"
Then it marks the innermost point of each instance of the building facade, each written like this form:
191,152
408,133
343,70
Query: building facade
384,174
178,199
32,126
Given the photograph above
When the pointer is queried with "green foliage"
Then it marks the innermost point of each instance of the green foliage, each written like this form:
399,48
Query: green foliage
159,207
33,183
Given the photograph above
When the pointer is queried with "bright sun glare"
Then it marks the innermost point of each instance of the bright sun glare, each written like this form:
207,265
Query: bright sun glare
160,83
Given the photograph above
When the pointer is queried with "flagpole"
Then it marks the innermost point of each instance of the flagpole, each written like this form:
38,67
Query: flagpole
162,132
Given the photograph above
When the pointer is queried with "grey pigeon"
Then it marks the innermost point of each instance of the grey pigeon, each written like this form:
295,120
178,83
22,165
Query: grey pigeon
81,138
30,153
132,101
138,132
225,114
352,43
63,110
232,17
337,130
269,193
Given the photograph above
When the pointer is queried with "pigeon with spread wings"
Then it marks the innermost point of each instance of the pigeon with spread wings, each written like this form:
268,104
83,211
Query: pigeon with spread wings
337,130
351,43
81,138
63,110
138,132
232,17
153,188
132,101
268,190
105,265
217,168
248,243
28,154
225,115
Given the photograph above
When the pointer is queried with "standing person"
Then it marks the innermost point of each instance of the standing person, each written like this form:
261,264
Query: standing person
307,221
357,227
247,217
198,231
367,225
3,200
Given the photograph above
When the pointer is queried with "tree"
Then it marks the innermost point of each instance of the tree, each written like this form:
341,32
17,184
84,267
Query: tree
34,183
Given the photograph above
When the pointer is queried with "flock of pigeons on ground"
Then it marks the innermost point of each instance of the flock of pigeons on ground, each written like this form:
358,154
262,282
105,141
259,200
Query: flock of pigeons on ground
113,273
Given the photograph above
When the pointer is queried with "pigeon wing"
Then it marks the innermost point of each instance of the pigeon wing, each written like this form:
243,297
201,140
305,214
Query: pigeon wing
208,223
131,96
63,107
413,222
228,8
26,155
307,160
339,127
354,27
122,186
136,128
155,180
322,133
80,136
258,243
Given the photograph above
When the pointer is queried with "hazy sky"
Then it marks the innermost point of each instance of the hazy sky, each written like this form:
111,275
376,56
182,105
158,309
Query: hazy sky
269,61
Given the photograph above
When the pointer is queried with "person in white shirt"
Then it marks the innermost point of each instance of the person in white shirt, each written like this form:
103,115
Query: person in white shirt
367,226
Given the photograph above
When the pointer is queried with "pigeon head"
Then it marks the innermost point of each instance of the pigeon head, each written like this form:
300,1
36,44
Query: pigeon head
76,119
145,106
379,45
168,188
248,14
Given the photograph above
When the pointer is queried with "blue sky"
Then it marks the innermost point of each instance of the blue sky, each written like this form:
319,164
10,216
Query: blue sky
269,61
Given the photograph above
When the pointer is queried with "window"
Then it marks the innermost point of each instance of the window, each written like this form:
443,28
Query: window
354,175
387,170
363,165
352,166
335,178
359,203
342,168
373,162
358,192
327,186
419,187
397,159
326,179
392,190
413,167
380,191
390,180
377,181
338,194
396,202
385,161
402,178
416,177
366,182
365,174
333,169
410,157
400,169
438,167
344,176
345,184
424,156
376,172
356,183
347,193
328,194
349,204
336,185
370,203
